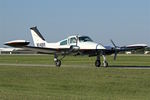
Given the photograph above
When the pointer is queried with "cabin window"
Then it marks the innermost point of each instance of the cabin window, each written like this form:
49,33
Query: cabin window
73,40
84,39
63,42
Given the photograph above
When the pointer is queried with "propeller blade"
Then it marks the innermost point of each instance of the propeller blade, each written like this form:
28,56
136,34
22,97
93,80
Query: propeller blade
116,49
115,55
113,43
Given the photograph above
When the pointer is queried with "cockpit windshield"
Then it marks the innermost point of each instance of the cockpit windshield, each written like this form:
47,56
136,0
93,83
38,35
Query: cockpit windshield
84,39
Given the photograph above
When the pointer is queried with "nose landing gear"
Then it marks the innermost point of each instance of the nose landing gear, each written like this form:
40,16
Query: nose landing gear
98,61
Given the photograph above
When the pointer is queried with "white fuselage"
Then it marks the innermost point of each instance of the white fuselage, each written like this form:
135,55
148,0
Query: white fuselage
73,41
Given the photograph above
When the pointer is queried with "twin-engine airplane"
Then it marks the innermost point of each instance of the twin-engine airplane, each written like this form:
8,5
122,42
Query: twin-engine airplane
76,45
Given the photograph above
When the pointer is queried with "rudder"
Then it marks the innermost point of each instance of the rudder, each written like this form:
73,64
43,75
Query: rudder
38,39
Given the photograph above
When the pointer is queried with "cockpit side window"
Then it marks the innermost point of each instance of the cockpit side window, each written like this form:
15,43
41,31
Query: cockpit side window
73,40
63,42
84,39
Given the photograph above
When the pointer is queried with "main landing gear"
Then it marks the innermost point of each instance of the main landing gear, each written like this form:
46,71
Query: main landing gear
98,61
58,61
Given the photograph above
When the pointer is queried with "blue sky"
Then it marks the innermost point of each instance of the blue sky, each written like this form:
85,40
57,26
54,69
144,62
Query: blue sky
124,21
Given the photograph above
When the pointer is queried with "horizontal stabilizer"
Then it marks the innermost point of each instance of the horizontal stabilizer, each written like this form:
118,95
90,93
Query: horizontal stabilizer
17,43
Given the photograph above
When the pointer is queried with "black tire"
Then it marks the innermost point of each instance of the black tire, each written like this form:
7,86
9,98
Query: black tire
97,63
58,63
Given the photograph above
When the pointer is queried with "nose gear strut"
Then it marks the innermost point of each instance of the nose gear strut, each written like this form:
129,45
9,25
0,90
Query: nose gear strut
98,61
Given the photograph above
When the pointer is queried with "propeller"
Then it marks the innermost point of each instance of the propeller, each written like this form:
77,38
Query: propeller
116,49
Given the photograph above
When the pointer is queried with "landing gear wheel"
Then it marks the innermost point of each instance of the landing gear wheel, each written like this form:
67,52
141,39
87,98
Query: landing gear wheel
105,64
97,63
58,63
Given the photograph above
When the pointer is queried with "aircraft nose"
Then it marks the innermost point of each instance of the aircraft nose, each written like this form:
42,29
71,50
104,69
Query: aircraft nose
99,46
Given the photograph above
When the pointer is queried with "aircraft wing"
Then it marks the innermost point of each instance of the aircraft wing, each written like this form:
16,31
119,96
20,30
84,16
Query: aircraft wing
115,50
110,50
24,44
46,50
135,47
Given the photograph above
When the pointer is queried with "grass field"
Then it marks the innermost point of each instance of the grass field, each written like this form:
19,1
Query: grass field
73,82
122,60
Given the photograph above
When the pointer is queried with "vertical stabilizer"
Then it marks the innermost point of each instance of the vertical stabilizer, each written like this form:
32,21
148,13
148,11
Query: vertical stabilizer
38,39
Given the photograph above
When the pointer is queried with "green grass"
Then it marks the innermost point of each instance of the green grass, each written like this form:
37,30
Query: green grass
73,83
122,60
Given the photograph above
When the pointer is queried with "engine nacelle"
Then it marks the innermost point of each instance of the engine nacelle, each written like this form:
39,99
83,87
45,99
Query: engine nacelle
74,48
